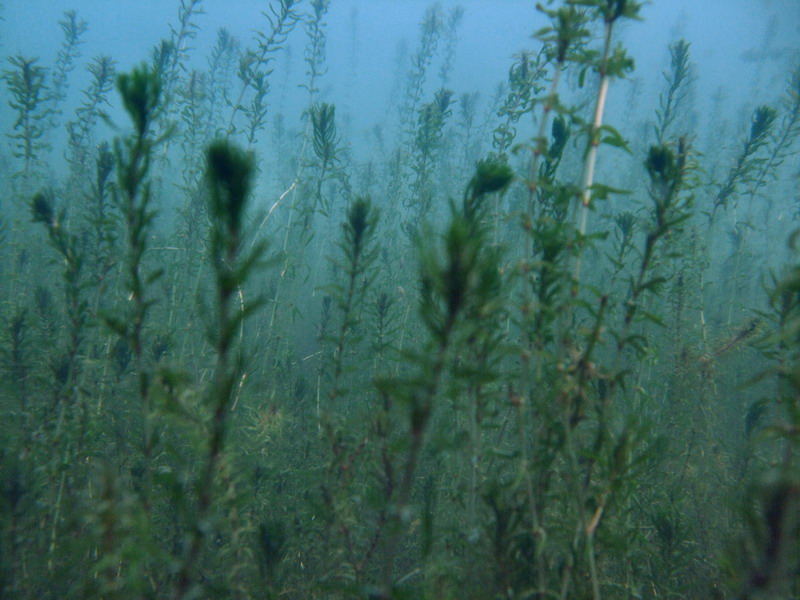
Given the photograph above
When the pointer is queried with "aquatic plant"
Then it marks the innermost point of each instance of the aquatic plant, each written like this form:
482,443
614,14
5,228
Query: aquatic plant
523,85
102,223
450,32
427,144
769,563
29,90
467,109
457,279
315,50
95,98
141,96
611,63
564,40
229,174
782,140
747,163
430,32
221,69
255,67
538,393
73,30
326,144
16,355
170,58
678,80
45,212
358,255
67,433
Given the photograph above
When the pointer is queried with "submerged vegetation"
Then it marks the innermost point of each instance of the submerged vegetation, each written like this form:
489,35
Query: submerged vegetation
525,355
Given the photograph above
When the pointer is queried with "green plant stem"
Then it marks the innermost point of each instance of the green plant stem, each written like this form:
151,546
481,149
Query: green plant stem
420,415
527,355
537,531
540,146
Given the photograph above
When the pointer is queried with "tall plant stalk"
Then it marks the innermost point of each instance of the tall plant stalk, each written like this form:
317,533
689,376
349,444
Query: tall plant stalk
612,63
229,175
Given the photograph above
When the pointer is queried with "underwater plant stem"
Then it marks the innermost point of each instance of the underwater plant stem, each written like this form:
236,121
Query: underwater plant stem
702,309
583,530
229,174
572,397
540,146
272,208
359,229
594,142
289,219
56,516
340,343
734,287
421,412
537,532
475,452
403,329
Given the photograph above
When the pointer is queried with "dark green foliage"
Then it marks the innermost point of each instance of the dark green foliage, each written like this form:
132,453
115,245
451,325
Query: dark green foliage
524,84
612,10
555,151
567,34
101,218
67,245
459,287
549,196
430,123
666,176
358,256
271,541
15,354
323,120
230,176
141,96
43,211
752,419
29,94
667,171
141,93
777,529
358,227
327,149
168,63
747,162
229,172
770,564
256,111
490,177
